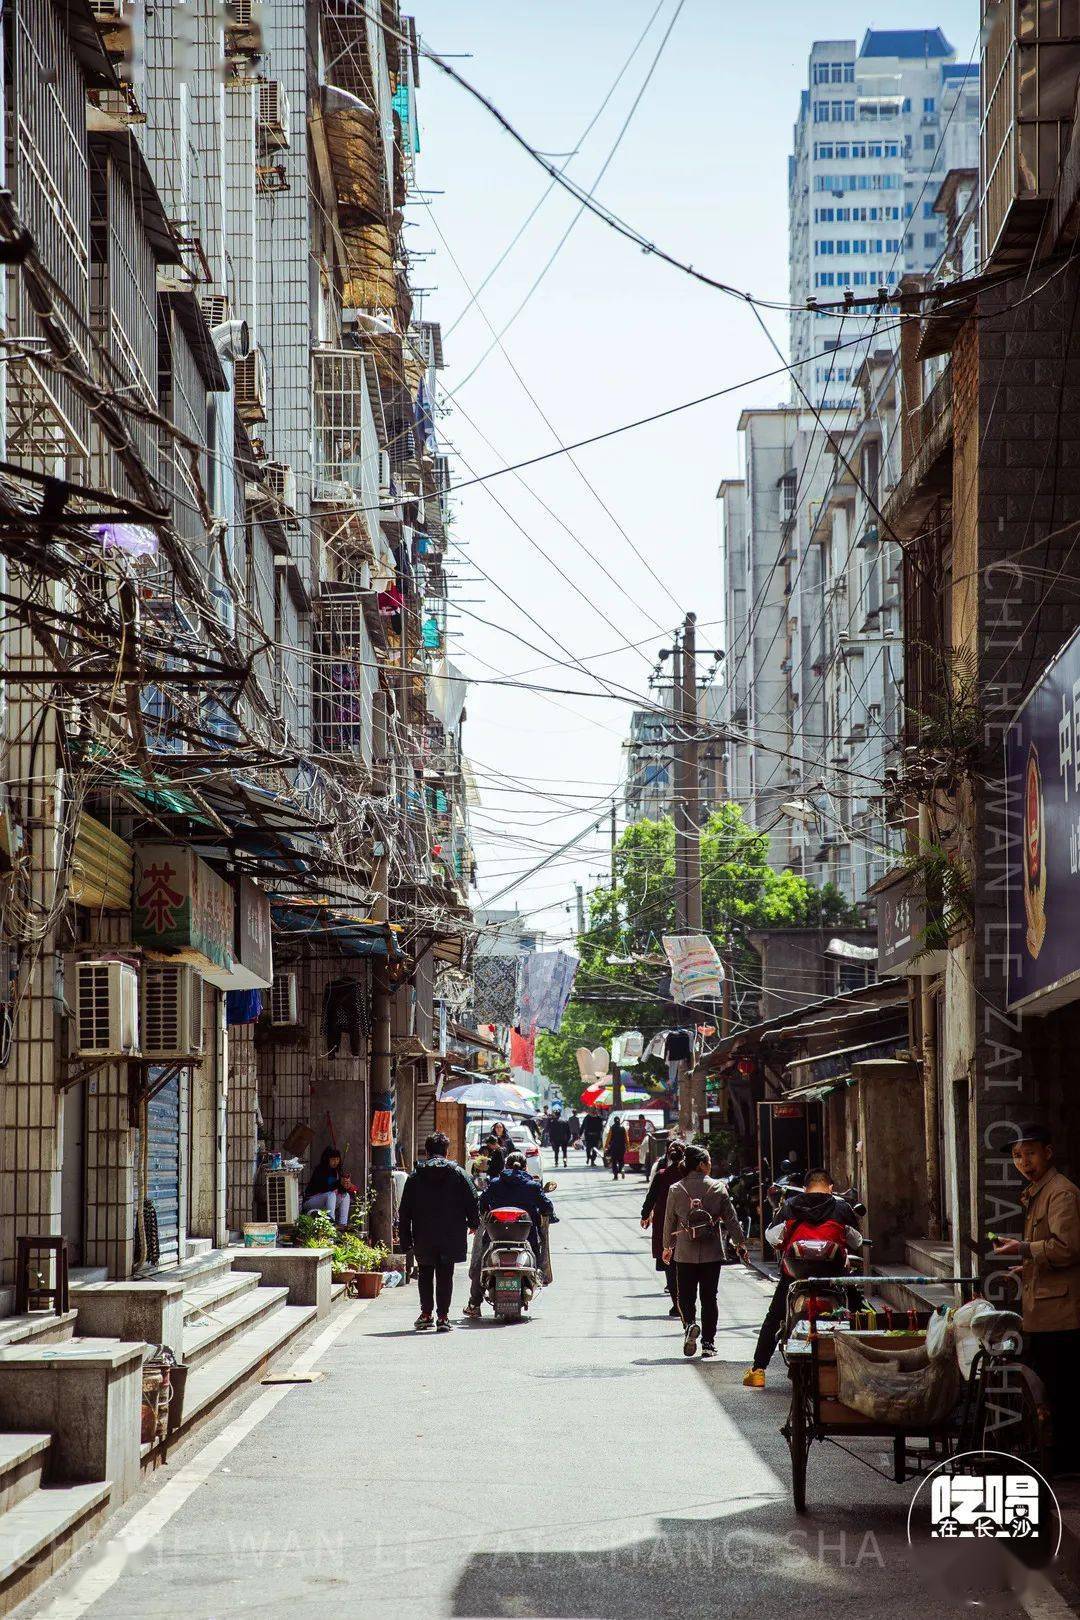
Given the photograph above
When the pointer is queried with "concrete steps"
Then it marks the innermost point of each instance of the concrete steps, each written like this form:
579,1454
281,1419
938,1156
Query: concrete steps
37,1328
219,1375
221,1288
41,1525
207,1335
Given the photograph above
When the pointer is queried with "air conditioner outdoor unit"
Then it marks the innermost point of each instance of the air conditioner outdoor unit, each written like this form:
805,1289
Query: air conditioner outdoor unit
106,1009
172,1008
282,1197
216,308
250,374
107,10
272,120
281,482
238,14
284,1001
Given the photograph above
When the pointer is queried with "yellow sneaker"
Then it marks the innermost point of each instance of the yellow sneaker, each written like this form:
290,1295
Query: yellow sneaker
754,1378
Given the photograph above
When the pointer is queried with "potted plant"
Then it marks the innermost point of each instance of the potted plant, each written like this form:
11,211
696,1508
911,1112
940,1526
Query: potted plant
359,1264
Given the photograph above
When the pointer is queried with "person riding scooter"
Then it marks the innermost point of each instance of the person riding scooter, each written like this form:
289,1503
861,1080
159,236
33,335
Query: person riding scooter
814,1216
513,1189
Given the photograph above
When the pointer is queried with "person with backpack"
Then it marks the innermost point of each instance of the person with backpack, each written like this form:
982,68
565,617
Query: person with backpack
816,1214
697,1207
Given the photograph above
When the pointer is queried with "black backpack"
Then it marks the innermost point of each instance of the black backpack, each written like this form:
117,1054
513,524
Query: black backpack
700,1225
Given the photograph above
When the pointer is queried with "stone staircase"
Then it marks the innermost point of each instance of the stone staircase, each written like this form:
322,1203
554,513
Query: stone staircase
233,1325
923,1257
43,1520
60,1479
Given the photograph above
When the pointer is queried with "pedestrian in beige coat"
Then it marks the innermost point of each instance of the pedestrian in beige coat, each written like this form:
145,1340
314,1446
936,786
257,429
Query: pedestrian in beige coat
699,1201
1050,1284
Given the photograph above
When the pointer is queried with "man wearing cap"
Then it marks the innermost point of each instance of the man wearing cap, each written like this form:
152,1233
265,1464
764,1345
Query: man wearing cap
1050,1255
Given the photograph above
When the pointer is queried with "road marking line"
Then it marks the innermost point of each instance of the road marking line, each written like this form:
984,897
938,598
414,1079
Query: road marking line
141,1529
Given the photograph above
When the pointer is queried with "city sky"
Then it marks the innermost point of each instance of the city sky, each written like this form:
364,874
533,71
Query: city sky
610,335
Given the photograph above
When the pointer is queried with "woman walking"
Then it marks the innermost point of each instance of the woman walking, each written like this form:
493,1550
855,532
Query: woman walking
696,1207
615,1147
670,1170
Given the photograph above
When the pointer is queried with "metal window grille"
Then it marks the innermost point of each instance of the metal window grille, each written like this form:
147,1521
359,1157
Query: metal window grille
345,679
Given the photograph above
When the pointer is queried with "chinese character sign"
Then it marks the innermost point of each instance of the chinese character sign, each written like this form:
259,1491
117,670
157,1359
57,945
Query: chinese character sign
181,904
984,1506
1042,777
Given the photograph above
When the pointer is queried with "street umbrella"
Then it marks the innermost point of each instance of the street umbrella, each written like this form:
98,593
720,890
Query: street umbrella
603,1096
489,1097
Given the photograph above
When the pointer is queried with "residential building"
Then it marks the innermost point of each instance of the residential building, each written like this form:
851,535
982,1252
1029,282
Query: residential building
650,758
235,800
879,125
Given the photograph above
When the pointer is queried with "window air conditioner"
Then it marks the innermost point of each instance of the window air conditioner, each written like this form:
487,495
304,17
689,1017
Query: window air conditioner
238,14
282,1197
272,120
106,1009
284,1001
281,482
215,307
250,375
172,1007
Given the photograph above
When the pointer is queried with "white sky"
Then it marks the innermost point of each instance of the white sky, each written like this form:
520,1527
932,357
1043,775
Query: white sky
610,335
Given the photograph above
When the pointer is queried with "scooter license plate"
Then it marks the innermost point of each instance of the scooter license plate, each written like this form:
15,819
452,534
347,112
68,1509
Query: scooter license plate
508,1285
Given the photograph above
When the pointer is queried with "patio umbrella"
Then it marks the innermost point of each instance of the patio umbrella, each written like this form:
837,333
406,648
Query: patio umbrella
602,1096
489,1097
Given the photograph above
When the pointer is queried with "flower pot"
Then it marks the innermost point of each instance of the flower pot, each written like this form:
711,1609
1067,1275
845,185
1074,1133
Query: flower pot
365,1284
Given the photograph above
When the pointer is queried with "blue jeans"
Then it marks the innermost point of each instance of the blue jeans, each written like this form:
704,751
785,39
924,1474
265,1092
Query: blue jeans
336,1204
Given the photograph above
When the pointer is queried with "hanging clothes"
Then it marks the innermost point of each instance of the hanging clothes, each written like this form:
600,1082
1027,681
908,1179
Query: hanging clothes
545,981
523,1051
243,1006
679,1046
494,986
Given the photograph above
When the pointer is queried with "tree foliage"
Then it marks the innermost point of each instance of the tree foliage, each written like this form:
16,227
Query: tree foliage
739,892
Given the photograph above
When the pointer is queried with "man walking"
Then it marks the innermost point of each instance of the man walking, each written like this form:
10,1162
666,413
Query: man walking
438,1209
615,1147
592,1134
1050,1283
696,1206
559,1136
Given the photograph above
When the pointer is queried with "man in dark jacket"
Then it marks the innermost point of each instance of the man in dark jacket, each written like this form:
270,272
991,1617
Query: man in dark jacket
438,1208
559,1136
514,1189
592,1134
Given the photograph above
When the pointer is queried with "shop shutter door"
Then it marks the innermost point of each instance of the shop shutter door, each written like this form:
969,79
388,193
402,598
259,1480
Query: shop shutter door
163,1184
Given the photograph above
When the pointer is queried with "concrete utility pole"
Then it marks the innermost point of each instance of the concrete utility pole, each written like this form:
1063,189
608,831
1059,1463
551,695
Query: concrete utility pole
580,892
382,1084
614,839
687,818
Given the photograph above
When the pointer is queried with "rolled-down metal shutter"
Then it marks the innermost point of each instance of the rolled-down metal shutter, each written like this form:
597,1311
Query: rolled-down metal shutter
163,1181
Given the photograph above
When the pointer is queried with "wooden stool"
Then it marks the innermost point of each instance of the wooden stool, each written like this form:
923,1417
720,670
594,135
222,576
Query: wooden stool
32,1296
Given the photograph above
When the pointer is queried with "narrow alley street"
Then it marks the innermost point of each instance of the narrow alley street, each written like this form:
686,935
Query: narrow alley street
574,1465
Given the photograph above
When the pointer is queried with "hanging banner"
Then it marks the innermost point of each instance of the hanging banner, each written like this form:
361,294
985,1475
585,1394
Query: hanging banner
697,973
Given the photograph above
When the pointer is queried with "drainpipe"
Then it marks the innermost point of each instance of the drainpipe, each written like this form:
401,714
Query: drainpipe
380,1079
931,1099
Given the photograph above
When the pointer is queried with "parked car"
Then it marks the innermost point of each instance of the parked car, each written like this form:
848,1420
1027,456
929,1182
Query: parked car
477,1132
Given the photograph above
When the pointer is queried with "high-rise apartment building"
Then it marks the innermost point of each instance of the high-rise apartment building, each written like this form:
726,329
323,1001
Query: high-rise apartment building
878,128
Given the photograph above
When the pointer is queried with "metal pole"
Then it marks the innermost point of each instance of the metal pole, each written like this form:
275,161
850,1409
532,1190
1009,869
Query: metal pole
693,777
614,839
580,908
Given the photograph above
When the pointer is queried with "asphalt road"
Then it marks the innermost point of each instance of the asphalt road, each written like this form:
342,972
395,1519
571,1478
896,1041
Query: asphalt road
571,1465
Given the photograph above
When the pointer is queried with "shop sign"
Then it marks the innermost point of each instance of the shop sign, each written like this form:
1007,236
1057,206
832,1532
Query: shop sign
1042,784
902,919
183,908
254,965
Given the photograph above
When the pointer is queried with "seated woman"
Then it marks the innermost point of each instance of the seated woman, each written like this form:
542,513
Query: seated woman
329,1188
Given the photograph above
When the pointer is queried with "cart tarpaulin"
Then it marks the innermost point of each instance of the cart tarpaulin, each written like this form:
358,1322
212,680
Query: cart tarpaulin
906,1387
697,973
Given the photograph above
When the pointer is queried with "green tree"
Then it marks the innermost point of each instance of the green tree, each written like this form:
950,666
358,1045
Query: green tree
618,984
